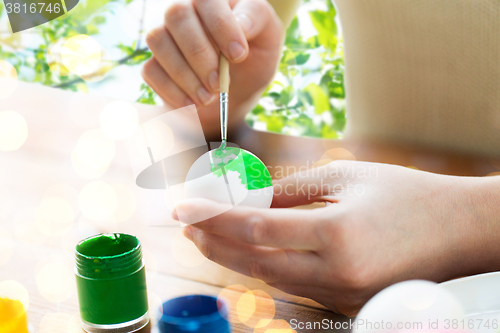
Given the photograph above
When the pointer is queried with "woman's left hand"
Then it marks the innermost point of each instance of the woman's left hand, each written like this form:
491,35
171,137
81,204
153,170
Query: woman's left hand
382,224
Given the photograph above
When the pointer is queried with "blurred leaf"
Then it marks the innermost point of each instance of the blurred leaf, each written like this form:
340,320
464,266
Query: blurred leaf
275,124
258,109
128,50
147,95
292,33
325,25
91,29
301,58
286,96
97,20
328,132
319,98
274,95
290,107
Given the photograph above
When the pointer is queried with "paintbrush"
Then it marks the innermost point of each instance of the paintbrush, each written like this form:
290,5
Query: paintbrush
224,97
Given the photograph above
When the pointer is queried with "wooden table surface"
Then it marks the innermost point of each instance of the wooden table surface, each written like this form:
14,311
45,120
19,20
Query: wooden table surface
37,251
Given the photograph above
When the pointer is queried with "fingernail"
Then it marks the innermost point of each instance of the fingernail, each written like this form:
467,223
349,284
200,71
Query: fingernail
205,97
188,233
174,215
236,51
244,21
188,101
213,79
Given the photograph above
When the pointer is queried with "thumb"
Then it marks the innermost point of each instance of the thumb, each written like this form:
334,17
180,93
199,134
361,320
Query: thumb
301,188
256,17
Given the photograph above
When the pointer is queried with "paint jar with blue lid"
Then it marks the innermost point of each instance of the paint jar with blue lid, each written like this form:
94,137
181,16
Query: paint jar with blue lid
194,314
111,284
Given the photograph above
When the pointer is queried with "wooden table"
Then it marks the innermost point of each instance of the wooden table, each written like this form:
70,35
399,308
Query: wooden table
38,253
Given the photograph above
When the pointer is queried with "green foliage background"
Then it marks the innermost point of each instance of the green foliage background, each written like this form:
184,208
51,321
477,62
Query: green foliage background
305,99
88,17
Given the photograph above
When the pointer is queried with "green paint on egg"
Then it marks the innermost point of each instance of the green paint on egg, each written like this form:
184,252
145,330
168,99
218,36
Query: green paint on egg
253,173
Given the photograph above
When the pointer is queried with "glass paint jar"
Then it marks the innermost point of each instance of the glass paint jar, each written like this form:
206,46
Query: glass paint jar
194,314
12,316
111,283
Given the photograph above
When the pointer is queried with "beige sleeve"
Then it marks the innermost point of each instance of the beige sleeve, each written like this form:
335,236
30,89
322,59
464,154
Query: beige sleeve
285,9
424,72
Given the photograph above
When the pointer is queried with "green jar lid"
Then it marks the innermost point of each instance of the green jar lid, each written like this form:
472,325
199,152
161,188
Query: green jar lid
108,256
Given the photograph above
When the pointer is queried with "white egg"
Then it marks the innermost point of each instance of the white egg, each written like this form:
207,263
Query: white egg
245,180
411,305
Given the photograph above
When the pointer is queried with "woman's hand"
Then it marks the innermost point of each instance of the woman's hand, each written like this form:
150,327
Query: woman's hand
185,64
382,224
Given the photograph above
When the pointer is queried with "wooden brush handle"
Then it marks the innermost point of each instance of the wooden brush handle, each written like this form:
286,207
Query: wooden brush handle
224,74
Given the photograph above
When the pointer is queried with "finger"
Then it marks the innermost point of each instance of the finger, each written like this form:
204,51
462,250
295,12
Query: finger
175,65
218,18
303,187
280,228
254,17
186,29
163,85
309,291
267,264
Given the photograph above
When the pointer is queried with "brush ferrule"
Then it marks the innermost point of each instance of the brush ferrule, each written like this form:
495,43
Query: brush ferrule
224,99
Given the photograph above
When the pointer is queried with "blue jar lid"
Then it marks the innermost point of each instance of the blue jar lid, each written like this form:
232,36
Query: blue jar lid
194,313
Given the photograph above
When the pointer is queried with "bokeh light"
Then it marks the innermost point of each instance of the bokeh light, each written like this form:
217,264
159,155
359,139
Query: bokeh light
84,112
276,326
93,153
185,252
159,137
6,201
8,79
119,120
97,201
55,281
13,130
105,65
14,290
60,322
81,54
95,149
54,216
409,302
338,154
246,306
232,294
6,246
333,155
150,262
15,41
155,306
65,191
84,171
255,308
126,202
27,231
54,57
320,163
86,228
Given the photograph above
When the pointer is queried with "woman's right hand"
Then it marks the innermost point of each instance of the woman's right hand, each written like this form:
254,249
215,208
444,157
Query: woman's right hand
185,63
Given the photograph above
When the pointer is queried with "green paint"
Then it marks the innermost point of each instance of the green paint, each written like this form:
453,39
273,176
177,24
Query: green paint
253,173
108,245
111,279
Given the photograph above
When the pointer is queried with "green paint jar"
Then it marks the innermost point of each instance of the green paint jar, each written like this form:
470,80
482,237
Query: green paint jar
111,284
